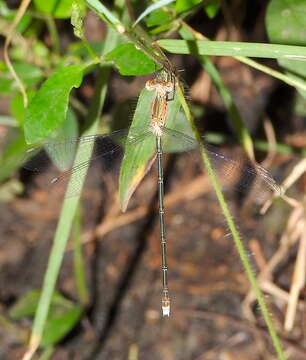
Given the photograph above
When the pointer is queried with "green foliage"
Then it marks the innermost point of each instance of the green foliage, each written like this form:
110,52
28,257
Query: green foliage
63,315
157,5
8,14
102,11
185,5
59,9
130,61
286,23
48,109
138,155
158,17
211,7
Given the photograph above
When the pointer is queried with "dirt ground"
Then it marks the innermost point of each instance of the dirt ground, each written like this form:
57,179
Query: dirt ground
206,279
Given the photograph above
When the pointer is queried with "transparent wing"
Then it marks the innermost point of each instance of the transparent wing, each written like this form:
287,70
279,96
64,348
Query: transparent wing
107,149
239,173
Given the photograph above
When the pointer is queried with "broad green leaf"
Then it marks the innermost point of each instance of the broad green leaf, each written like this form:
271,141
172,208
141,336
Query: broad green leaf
48,109
29,75
139,156
158,17
211,7
184,5
63,315
286,23
26,304
152,8
60,9
130,61
60,322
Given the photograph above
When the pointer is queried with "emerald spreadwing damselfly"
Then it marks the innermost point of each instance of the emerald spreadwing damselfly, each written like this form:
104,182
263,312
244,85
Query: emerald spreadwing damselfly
152,141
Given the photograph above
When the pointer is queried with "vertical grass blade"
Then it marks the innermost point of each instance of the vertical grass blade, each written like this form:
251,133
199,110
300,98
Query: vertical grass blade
79,268
68,213
236,236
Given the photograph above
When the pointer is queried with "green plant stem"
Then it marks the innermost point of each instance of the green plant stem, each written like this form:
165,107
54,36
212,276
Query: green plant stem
53,33
243,255
78,260
90,50
234,232
300,84
68,211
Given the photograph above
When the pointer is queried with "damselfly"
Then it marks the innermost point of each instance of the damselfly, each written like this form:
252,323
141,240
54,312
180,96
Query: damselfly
146,144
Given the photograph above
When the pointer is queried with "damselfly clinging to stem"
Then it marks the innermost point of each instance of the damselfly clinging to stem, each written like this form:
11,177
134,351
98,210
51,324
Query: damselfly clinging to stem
158,118
142,144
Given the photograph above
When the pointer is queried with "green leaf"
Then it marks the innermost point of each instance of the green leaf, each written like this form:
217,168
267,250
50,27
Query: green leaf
234,48
185,5
60,322
60,9
139,156
25,305
103,12
286,23
130,61
48,109
211,7
63,315
158,17
29,75
152,8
